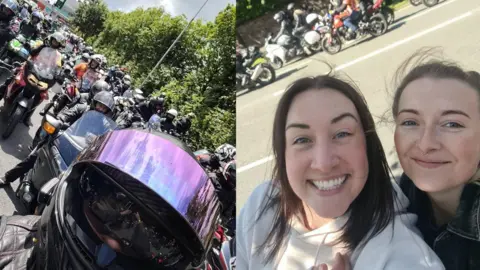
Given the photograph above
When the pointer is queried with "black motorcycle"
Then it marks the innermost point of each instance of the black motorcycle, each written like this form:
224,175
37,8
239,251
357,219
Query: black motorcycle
56,151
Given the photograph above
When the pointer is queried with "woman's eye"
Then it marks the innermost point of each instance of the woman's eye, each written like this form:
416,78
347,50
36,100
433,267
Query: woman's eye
453,125
301,141
409,123
342,134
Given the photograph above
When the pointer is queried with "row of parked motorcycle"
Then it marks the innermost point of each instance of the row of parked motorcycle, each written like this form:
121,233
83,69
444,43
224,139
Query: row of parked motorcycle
326,32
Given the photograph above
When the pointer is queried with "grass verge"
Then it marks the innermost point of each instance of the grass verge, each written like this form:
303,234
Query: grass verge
399,4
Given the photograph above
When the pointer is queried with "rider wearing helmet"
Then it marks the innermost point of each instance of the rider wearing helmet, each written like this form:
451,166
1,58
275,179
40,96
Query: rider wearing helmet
348,12
226,152
286,28
167,123
102,102
8,10
30,29
107,213
92,62
184,124
55,41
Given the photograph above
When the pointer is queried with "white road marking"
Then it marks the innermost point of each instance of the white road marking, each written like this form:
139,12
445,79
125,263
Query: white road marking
396,44
363,58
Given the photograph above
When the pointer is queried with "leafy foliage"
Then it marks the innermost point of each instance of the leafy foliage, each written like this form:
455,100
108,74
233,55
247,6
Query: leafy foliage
251,9
198,74
90,16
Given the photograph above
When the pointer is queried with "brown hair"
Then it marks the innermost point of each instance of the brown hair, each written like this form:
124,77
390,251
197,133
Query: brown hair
423,67
373,208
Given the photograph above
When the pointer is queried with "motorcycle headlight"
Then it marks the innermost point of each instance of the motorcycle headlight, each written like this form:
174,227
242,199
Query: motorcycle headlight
28,197
48,128
32,79
42,85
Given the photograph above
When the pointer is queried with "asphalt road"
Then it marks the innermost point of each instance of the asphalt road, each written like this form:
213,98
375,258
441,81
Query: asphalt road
371,65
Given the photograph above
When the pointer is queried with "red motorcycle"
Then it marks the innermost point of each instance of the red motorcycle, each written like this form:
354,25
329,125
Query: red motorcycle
371,22
32,78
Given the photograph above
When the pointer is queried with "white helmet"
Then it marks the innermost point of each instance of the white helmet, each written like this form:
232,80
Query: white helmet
127,78
226,152
172,112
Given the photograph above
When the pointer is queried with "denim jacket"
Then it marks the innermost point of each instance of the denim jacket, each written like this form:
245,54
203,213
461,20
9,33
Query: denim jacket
458,242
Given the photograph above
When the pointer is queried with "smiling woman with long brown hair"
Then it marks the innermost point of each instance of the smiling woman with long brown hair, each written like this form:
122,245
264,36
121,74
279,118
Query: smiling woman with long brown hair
331,192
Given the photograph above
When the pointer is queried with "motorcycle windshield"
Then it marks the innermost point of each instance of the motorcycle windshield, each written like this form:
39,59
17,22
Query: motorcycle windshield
88,79
91,125
46,63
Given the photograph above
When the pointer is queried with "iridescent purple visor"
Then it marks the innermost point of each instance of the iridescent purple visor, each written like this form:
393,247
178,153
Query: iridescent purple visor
166,169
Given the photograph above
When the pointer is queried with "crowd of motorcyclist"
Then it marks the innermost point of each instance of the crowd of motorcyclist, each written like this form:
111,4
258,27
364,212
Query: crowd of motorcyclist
87,84
296,21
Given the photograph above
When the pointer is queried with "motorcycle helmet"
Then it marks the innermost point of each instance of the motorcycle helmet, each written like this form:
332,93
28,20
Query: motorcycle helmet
138,98
154,122
126,85
59,38
85,57
156,104
226,152
9,8
127,78
95,61
171,114
103,102
279,16
98,87
291,7
190,115
38,16
110,212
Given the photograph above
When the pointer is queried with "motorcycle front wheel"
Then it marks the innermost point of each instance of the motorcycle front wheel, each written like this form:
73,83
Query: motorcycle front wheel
389,15
13,120
332,47
267,76
277,63
378,25
430,3
415,2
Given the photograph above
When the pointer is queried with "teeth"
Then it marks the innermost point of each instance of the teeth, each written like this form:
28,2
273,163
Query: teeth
330,184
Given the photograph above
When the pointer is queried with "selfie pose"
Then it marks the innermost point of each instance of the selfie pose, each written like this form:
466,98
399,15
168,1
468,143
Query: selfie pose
331,202
437,137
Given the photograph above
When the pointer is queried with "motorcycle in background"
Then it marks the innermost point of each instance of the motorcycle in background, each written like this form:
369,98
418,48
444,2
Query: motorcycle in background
34,77
427,3
260,71
371,23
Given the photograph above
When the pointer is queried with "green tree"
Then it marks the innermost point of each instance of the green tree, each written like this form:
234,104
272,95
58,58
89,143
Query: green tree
198,74
90,17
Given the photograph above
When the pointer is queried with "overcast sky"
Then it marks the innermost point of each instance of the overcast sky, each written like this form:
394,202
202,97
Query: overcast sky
175,7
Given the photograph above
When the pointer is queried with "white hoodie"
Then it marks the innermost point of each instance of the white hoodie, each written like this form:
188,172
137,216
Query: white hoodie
403,249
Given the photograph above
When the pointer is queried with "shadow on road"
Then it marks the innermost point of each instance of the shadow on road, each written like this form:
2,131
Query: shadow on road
19,208
17,144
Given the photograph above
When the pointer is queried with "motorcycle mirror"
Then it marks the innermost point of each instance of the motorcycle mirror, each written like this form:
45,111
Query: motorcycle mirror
47,190
17,64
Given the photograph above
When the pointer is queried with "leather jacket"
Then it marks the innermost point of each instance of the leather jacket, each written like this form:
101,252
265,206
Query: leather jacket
456,243
17,236
71,115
